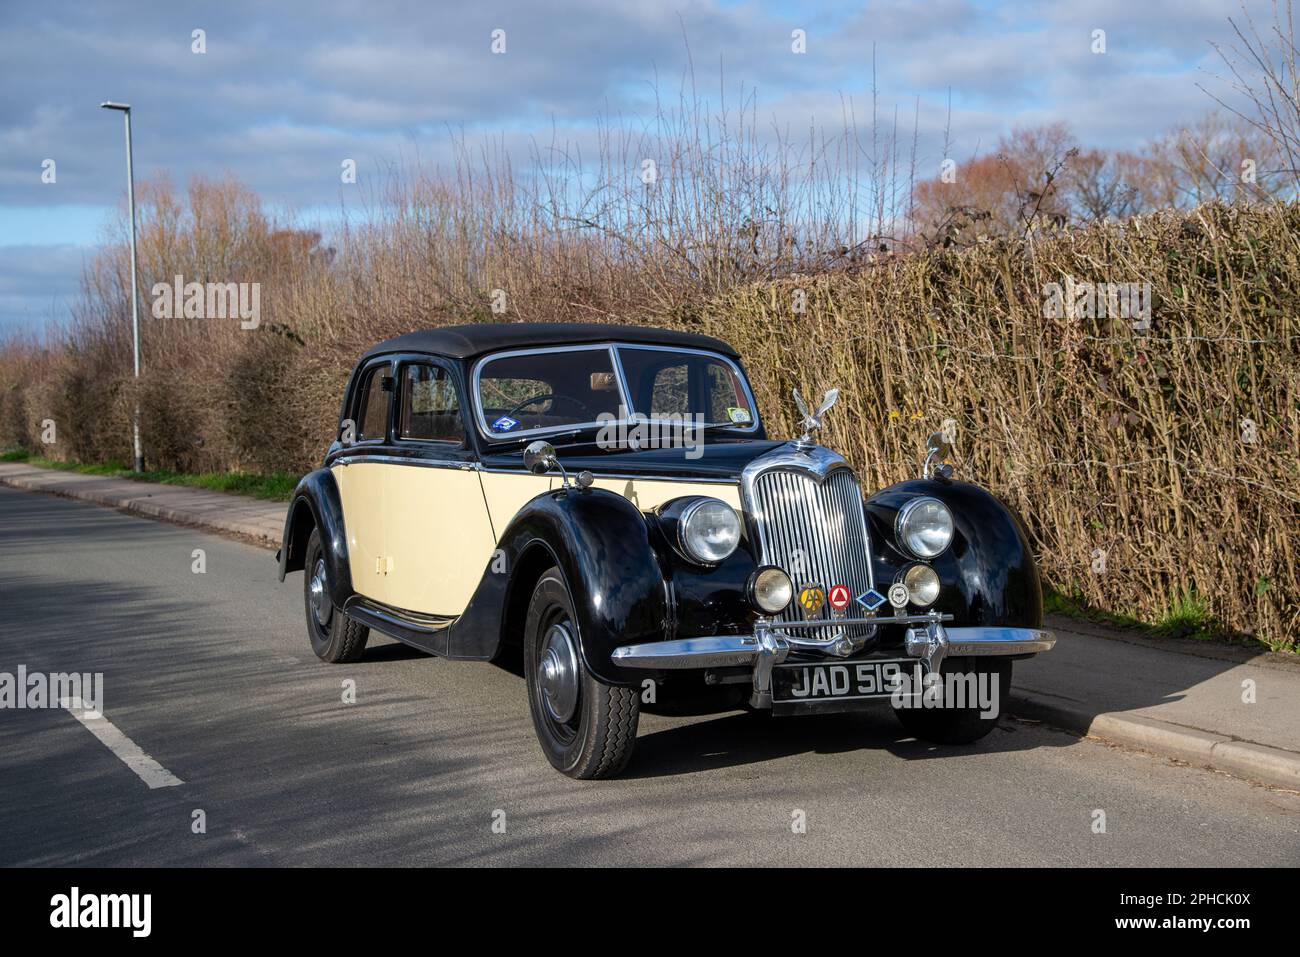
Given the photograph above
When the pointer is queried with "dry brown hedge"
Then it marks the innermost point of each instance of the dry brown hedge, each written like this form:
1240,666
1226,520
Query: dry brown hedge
1111,442
1104,438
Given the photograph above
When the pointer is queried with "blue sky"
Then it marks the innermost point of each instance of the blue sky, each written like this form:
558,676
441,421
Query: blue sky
286,91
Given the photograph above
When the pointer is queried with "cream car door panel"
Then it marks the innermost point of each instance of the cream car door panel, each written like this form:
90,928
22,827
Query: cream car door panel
361,490
507,492
441,542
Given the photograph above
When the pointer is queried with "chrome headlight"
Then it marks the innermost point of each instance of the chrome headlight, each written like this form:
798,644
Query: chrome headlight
924,527
770,589
922,585
709,530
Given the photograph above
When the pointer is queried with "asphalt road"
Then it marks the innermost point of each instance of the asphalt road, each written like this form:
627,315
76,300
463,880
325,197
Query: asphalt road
212,676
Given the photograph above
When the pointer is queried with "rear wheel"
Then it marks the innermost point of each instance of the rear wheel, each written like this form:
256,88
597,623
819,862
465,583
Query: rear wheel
587,728
984,683
335,637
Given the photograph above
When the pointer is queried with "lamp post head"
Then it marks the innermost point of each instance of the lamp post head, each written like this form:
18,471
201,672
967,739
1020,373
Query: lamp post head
110,105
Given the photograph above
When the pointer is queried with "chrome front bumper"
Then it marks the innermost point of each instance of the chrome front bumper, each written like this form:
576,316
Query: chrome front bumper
929,639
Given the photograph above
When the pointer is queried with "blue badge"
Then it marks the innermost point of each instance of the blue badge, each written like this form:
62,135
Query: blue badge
504,424
871,599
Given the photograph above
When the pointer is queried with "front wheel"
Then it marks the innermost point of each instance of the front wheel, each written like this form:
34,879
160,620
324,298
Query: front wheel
974,693
587,728
335,637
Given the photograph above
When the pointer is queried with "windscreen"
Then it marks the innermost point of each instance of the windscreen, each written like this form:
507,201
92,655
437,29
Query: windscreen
668,384
543,390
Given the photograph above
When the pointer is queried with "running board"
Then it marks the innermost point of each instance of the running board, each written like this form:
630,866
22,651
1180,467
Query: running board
426,632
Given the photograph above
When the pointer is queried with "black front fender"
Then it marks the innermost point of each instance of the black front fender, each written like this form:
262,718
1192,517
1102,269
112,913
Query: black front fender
316,504
988,575
602,544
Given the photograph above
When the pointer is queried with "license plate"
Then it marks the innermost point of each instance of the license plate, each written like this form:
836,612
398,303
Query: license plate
842,681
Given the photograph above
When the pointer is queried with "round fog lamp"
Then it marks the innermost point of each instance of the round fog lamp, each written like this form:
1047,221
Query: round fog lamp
922,585
772,590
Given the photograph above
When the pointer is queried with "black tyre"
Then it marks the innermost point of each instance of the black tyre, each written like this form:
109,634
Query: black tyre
587,728
335,637
952,725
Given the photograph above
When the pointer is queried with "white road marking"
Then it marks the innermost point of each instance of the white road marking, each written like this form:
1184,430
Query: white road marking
132,755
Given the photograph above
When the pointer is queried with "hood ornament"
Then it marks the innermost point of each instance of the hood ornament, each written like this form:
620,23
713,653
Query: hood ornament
938,448
812,421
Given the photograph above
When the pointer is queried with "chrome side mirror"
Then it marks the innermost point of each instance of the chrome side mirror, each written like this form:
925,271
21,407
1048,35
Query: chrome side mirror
540,457
937,449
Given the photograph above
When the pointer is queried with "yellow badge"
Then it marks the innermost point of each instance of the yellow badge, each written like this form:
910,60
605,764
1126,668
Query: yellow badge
811,600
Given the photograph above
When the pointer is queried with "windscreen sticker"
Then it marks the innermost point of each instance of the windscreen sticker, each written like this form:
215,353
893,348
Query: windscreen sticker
504,424
738,415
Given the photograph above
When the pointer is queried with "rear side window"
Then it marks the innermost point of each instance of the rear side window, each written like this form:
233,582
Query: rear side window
430,408
372,413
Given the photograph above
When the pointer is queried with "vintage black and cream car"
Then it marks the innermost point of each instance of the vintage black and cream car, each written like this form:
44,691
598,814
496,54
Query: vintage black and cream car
603,500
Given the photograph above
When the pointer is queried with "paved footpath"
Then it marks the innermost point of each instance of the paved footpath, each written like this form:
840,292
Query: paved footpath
1208,705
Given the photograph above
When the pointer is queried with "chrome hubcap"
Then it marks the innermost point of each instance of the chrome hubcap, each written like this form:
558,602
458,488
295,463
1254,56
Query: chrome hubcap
557,673
321,606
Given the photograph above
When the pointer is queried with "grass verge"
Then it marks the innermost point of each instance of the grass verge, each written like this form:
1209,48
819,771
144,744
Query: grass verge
275,487
1185,616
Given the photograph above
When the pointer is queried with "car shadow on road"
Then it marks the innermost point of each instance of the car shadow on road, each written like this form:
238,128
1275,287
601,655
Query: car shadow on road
754,737
382,649
729,734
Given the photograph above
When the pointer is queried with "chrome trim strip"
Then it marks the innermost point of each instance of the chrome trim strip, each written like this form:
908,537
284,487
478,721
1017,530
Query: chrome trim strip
471,466
639,477
988,640
403,460
724,650
713,652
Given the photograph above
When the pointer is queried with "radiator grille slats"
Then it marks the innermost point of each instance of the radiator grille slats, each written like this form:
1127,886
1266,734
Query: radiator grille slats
816,531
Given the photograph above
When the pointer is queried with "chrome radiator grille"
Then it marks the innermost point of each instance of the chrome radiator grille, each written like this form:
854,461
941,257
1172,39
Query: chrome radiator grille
817,532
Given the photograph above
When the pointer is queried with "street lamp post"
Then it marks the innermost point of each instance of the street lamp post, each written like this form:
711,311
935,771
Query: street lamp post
125,109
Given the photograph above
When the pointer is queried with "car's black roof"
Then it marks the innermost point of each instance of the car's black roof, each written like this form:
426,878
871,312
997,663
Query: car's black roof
464,342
